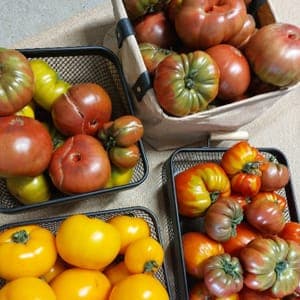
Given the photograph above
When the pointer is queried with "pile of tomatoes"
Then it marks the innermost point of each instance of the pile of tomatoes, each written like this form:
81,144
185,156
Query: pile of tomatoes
206,53
244,245
87,258
57,135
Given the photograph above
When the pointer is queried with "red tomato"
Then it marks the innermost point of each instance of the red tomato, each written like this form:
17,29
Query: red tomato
291,231
245,184
234,71
271,196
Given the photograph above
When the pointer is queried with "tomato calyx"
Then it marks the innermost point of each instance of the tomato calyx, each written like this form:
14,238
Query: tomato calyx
252,168
280,267
214,196
150,266
20,237
230,268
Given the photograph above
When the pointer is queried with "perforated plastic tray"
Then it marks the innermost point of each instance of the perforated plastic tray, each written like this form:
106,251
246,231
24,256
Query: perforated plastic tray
181,160
53,223
78,65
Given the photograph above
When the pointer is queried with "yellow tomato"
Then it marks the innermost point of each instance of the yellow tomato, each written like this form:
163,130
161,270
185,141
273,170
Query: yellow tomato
115,272
27,111
27,250
119,176
27,288
139,287
81,284
131,228
87,242
55,270
29,190
144,255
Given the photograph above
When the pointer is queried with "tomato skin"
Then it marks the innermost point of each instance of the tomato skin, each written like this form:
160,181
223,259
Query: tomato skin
271,196
16,81
125,157
116,272
27,288
82,250
55,270
119,176
291,231
186,83
248,294
139,287
245,184
197,247
27,250
47,85
221,219
76,283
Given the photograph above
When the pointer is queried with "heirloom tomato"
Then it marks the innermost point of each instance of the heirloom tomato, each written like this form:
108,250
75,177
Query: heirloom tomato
197,247
47,84
27,288
144,255
76,283
245,184
93,236
249,294
291,231
186,83
119,176
124,157
139,287
266,216
198,186
271,196
222,218
131,228
223,275
202,24
16,81
271,264
27,250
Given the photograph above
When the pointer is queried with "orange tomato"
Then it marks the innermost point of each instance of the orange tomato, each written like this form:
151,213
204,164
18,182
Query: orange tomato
76,283
27,288
87,242
144,255
131,228
139,287
56,269
27,250
116,272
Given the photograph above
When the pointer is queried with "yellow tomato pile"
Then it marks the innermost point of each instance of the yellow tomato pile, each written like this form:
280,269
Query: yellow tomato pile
88,258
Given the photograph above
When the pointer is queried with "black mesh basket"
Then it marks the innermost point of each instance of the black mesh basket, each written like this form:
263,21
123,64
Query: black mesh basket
79,65
181,160
53,223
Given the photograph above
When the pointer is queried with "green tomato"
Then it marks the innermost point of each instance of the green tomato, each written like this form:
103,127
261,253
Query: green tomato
29,190
119,176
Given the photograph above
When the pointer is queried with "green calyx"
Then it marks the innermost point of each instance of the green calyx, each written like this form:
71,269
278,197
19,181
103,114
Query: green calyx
150,266
20,237
251,168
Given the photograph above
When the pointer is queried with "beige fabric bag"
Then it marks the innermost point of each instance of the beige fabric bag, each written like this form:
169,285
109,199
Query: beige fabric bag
166,132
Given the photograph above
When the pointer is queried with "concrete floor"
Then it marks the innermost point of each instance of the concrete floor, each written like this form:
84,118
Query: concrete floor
21,19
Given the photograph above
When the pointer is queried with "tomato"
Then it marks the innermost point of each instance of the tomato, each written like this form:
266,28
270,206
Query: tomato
55,270
156,29
197,247
274,54
47,84
223,275
240,199
27,250
234,68
186,83
116,272
202,24
266,216
271,196
248,294
131,228
93,236
271,263
16,81
27,111
124,131
124,157
246,184
152,55
76,283
139,287
244,235
26,147
29,190
222,218
291,231
144,255
197,187
119,176
274,176
27,288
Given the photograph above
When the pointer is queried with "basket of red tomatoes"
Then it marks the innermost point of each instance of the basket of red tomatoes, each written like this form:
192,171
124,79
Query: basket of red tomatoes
236,225
67,127
199,67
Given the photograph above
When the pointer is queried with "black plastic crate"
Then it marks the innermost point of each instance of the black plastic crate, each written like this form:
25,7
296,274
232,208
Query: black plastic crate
53,223
95,64
182,159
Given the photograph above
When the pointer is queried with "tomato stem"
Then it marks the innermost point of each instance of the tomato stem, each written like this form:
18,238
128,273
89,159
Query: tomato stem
150,266
21,237
252,168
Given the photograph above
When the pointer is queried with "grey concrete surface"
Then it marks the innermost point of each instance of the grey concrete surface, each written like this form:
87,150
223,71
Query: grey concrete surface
21,19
